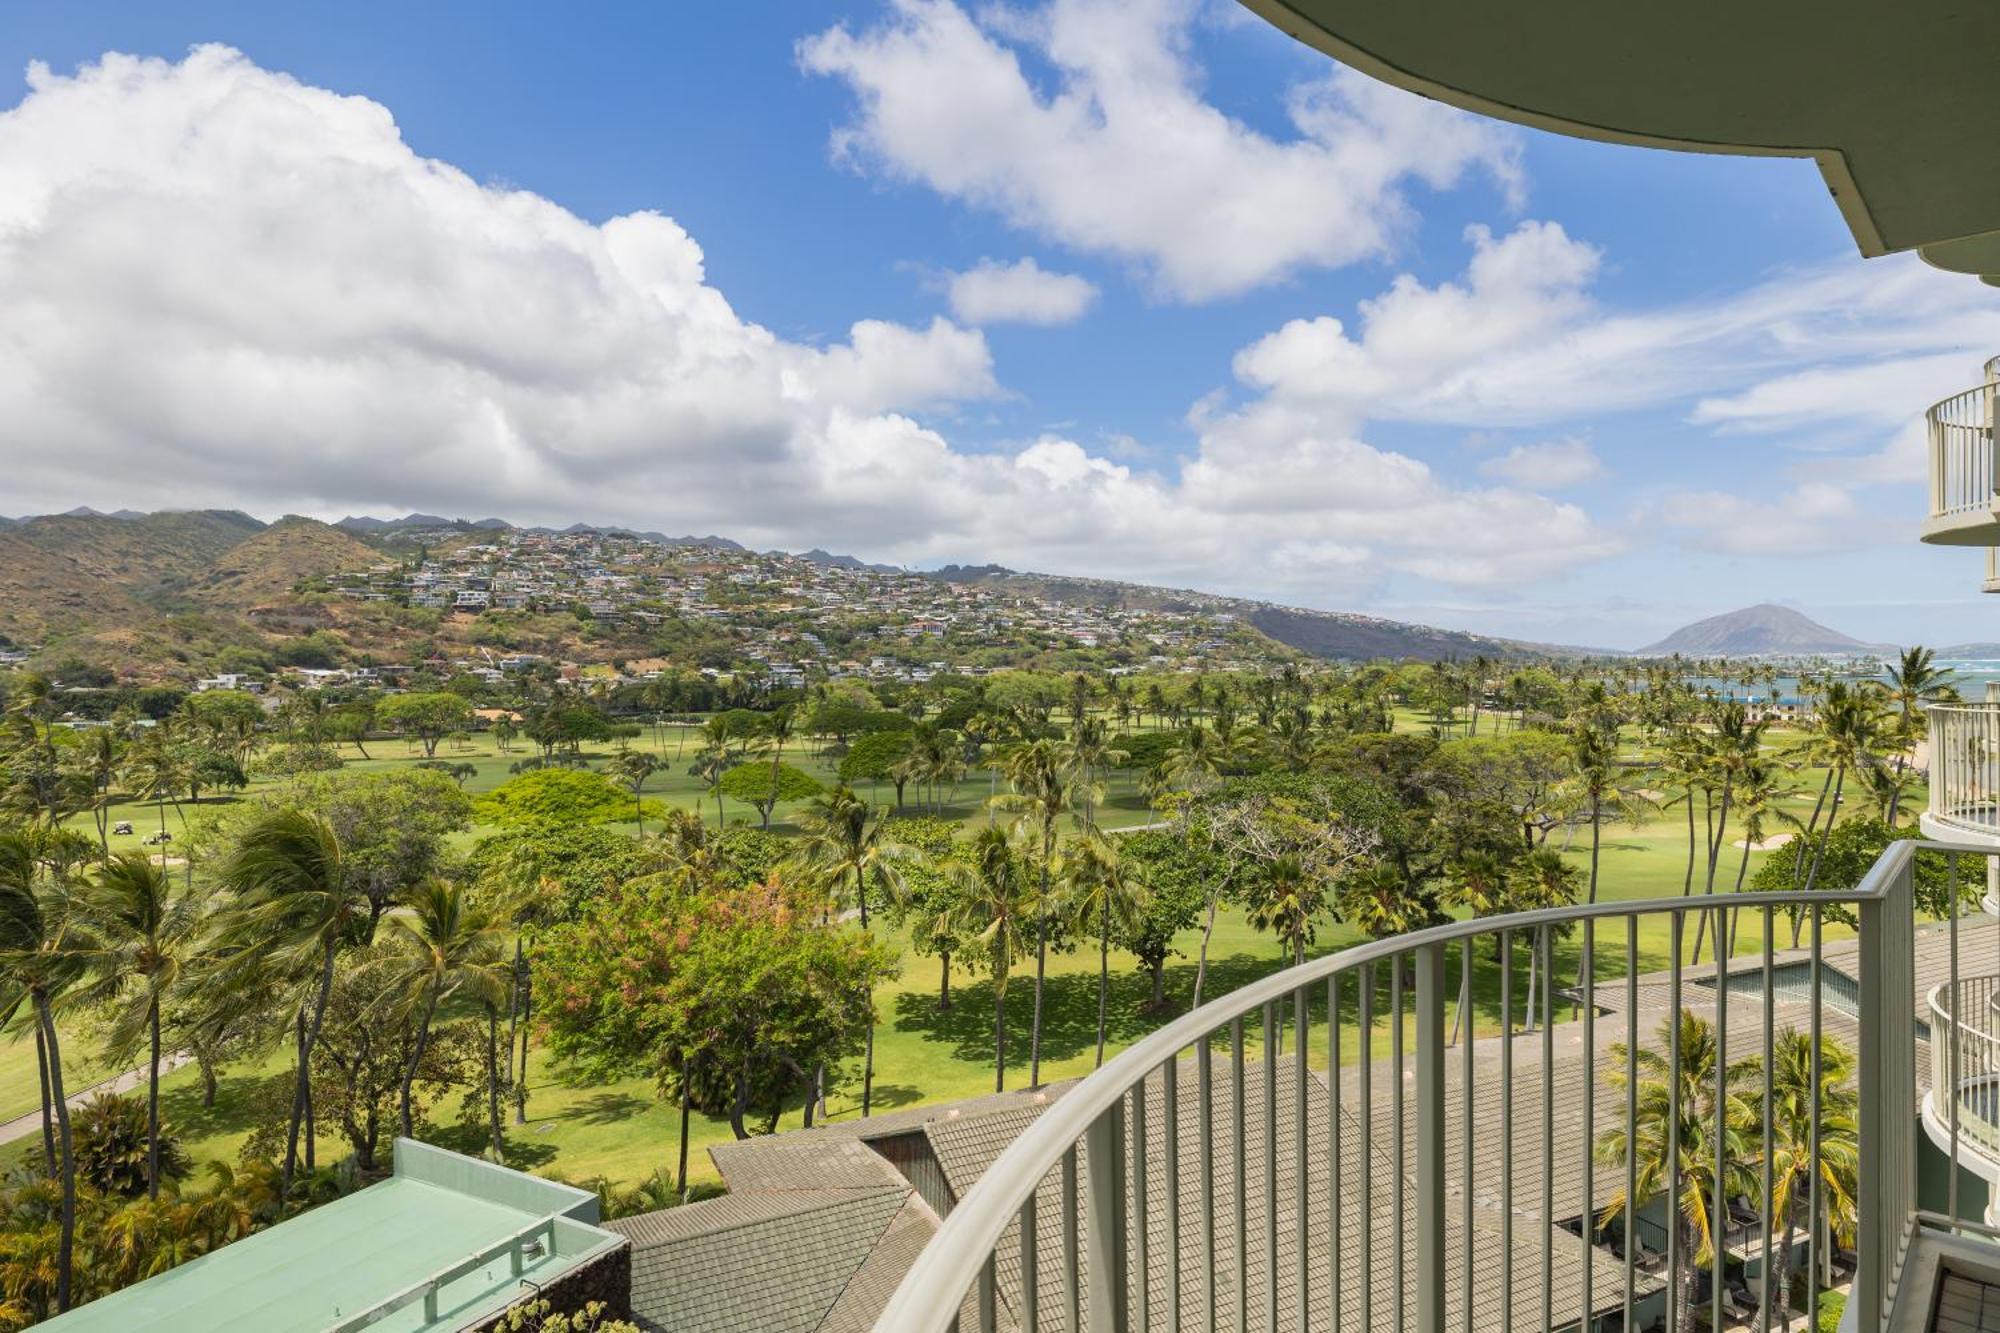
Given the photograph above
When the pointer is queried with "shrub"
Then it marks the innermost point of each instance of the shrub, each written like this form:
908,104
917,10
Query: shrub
555,796
110,1137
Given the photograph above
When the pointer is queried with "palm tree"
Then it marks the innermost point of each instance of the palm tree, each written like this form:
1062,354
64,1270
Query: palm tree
995,902
1677,1109
43,951
1101,890
297,903
633,767
843,839
1914,681
1848,734
1478,882
102,757
1194,762
1091,753
449,942
1038,771
1684,764
1540,879
149,936
709,766
1794,1163
1595,750
156,771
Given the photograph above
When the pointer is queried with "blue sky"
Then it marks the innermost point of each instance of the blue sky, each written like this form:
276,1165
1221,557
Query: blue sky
1576,392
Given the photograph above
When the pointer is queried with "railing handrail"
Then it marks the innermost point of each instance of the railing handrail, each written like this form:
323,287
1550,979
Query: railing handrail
1951,1017
1960,430
451,1272
947,1266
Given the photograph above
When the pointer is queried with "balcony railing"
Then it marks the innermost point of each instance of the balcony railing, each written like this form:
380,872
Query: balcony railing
1964,770
1324,1149
1962,461
1964,1011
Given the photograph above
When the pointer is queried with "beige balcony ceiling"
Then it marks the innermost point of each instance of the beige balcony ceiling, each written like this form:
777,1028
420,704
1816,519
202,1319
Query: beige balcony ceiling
1898,103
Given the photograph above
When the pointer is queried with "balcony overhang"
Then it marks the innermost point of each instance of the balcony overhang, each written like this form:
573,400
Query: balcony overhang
1896,103
1965,528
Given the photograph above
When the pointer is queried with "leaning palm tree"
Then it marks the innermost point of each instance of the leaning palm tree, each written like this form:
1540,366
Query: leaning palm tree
1795,1163
446,942
1672,1142
1039,773
297,907
1913,682
44,948
148,935
994,900
1102,891
843,839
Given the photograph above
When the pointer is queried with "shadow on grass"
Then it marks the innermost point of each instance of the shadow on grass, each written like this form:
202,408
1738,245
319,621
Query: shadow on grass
607,1108
1069,1009
523,1154
889,1096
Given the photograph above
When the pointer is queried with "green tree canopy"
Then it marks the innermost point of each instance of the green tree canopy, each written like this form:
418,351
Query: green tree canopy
739,990
764,785
428,716
557,796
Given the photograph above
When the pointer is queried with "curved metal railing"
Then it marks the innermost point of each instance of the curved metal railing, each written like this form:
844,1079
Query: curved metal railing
1966,1013
1260,1163
1960,430
1965,767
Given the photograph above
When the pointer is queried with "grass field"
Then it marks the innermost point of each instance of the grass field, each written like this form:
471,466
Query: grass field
623,1131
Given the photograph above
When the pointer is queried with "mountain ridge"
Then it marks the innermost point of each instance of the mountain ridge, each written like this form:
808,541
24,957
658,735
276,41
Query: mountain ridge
1764,630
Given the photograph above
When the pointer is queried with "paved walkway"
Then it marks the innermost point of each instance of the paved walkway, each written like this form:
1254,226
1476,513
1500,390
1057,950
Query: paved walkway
23,1125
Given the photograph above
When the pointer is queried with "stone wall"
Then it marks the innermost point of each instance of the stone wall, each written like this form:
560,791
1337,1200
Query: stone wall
607,1278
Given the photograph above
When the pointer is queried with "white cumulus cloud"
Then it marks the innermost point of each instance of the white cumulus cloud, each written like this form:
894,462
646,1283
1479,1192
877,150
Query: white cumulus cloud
1550,465
1022,292
1119,154
219,285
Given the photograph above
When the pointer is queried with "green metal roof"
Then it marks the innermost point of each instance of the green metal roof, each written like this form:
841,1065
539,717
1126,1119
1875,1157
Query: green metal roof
441,1213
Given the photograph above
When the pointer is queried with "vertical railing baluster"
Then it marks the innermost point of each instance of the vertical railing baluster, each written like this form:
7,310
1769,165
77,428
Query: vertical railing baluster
1718,1203
1239,1121
1072,1250
1273,1021
1333,1193
1365,1101
1430,1139
1674,1278
988,1298
1141,1221
1397,1244
1506,1131
1587,971
1031,1265
1631,1110
1171,1109
1818,1251
1767,1213
1545,943
1467,955
1952,1044
1301,1174
1205,1082
1104,1217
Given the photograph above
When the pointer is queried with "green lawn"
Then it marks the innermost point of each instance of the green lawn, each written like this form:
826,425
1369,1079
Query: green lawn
923,1054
